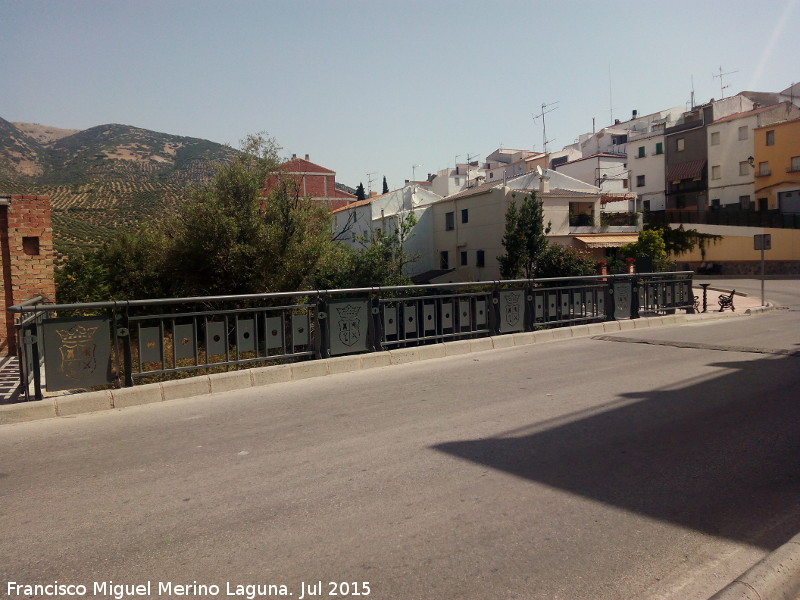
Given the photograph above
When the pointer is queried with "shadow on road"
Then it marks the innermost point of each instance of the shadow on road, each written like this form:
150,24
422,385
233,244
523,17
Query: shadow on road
719,455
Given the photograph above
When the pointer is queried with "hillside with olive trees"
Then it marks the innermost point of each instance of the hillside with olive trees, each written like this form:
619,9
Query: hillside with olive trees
105,178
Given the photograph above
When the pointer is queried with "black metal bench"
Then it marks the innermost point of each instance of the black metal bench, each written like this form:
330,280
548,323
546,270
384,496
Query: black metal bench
726,301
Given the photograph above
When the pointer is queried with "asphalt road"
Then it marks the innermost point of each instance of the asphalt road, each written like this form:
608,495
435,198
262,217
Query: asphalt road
588,468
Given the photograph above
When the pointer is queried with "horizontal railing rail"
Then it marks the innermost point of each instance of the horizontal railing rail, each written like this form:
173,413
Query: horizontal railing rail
120,342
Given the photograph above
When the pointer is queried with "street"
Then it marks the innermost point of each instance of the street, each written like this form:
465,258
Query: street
645,464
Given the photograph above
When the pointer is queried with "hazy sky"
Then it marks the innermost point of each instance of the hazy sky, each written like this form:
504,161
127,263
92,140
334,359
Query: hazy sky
379,86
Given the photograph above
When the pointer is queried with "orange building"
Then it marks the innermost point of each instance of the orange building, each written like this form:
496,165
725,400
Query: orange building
777,166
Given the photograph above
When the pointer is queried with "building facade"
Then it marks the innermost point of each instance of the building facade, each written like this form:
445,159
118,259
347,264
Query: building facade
777,166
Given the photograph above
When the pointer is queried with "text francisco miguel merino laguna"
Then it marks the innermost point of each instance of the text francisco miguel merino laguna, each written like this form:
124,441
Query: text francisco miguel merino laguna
118,591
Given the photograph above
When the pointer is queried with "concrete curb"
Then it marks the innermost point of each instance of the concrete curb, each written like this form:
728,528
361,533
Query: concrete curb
775,577
73,404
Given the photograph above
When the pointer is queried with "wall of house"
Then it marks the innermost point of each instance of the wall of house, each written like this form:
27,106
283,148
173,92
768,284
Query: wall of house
730,185
26,257
651,166
735,252
781,178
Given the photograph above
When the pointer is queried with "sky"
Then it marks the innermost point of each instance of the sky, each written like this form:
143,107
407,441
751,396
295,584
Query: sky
374,88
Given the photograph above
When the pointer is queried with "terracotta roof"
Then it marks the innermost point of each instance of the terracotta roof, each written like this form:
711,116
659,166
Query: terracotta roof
358,203
691,169
298,165
611,197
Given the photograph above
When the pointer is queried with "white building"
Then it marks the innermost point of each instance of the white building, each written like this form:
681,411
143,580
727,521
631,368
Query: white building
451,181
731,172
357,223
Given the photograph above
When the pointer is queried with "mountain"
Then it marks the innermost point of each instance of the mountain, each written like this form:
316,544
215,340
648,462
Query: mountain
105,178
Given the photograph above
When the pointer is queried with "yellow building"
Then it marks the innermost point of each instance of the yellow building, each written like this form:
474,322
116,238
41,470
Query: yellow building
777,167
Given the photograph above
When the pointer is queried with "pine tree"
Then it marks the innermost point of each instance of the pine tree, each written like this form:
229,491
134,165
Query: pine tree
385,186
360,195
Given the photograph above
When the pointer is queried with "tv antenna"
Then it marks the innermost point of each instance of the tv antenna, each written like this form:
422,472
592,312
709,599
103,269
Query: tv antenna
722,87
544,125
369,183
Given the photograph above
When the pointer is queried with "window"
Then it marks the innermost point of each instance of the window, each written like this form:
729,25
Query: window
743,167
771,137
744,202
659,147
479,258
449,221
795,164
715,203
716,172
680,144
465,215
463,258
30,246
763,168
625,183
640,181
444,260
715,138
646,205
743,132
641,152
763,204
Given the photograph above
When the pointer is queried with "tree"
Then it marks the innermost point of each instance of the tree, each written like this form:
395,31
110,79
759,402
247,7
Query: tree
524,239
679,241
650,244
385,186
562,261
226,239
380,261
360,194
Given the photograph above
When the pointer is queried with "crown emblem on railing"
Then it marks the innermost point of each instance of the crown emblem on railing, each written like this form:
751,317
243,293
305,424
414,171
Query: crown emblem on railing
76,336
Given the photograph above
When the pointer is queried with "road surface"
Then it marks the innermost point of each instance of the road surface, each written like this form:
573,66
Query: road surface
588,468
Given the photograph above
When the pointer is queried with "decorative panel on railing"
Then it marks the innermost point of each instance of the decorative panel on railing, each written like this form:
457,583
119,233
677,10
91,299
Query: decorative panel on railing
78,352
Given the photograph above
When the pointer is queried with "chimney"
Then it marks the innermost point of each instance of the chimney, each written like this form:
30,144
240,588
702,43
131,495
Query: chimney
544,184
306,156
616,121
635,112
294,156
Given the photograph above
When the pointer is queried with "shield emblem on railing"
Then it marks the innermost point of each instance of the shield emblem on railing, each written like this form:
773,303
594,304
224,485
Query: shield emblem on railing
77,352
349,324
512,309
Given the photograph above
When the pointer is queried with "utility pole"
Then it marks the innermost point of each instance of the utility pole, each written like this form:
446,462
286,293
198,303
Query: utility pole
722,87
544,125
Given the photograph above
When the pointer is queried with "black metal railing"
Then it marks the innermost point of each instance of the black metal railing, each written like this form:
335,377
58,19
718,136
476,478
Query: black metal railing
121,342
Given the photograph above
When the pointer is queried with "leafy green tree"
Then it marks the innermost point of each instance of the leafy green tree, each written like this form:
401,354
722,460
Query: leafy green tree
680,241
524,239
385,186
360,194
562,261
651,244
381,260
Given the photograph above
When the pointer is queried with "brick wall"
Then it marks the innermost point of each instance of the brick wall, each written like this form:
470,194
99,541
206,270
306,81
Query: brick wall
26,253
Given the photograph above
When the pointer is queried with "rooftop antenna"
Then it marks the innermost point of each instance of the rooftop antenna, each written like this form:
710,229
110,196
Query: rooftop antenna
691,101
544,125
721,75
414,173
455,163
369,183
469,158
610,97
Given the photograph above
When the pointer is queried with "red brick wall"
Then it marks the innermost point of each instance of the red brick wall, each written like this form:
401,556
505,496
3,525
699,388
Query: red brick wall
26,252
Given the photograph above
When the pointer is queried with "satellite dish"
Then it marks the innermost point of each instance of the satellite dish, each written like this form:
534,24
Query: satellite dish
539,170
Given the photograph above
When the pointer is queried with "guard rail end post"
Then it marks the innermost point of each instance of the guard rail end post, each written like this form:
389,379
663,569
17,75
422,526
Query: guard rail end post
323,326
376,324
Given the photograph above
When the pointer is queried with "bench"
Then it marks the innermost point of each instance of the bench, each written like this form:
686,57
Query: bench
726,301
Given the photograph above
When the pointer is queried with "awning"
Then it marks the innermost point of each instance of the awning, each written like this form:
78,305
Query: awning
691,169
607,241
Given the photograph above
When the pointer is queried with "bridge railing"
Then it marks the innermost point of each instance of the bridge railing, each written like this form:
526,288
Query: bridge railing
123,342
